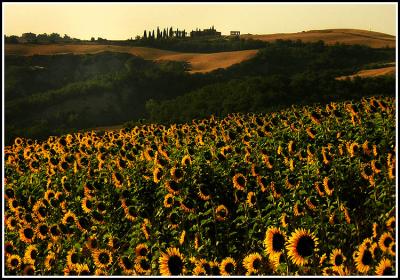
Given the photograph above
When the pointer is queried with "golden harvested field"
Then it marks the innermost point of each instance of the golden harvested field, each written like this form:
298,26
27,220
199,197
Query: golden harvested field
331,36
371,73
200,62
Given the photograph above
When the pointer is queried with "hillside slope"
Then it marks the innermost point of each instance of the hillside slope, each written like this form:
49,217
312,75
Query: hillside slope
199,62
332,36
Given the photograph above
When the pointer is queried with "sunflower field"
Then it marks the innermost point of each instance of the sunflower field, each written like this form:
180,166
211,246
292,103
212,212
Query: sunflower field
309,190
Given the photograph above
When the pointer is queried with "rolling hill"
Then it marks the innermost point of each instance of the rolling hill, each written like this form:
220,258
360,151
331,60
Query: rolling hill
331,36
200,62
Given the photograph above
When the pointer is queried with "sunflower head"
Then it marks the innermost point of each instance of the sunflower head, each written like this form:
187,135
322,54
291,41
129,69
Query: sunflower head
301,246
227,266
239,181
253,263
221,212
102,258
171,262
337,258
274,241
384,267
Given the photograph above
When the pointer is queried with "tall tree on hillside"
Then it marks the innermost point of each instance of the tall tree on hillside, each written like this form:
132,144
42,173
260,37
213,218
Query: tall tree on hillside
184,33
145,35
171,32
158,33
152,35
164,33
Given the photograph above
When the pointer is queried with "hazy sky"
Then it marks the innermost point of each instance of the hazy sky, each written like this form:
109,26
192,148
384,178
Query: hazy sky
125,20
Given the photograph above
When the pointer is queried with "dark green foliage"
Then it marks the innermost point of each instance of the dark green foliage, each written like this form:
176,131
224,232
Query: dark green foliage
55,94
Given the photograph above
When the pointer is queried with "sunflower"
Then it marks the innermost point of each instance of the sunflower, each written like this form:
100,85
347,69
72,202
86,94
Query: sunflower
274,241
374,230
385,240
72,258
173,187
145,228
87,205
374,250
204,266
214,267
9,248
157,174
269,162
26,234
69,218
177,174
13,204
168,200
13,262
142,265
11,223
298,210
50,261
319,189
392,249
376,166
204,192
311,203
340,270
284,220
130,213
301,245
391,224
328,186
39,210
49,194
239,181
82,269
127,265
367,242
322,259
70,271
199,270
186,160
34,166
276,260
55,232
83,224
337,258
311,132
253,263
221,212
42,230
363,259
392,172
227,266
251,199
18,141
118,179
141,250
171,262
384,267
346,214
92,243
102,258
29,269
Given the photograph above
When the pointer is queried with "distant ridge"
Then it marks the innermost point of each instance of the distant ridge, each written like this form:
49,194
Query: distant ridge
331,36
